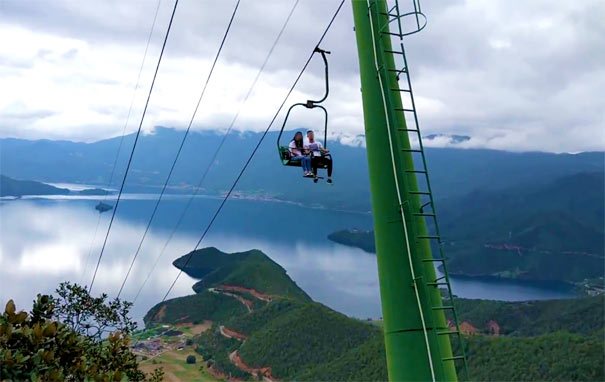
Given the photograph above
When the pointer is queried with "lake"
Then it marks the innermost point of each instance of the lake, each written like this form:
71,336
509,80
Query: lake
46,240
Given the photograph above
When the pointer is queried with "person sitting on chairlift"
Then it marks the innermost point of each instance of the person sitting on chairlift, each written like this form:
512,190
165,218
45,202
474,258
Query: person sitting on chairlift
319,155
298,152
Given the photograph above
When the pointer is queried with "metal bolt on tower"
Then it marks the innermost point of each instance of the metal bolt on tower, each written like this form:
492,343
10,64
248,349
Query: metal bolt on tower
418,337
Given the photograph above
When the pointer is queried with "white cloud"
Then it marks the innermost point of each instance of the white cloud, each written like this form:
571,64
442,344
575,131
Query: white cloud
522,77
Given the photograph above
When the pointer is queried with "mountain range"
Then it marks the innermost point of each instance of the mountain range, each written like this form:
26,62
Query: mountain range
454,172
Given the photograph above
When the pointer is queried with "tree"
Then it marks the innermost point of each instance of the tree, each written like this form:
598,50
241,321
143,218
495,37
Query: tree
73,337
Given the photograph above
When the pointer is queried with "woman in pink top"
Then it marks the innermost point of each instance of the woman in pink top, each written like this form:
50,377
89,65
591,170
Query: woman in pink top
298,152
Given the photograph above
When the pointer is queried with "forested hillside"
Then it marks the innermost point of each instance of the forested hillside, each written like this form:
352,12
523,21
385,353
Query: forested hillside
250,269
285,335
547,232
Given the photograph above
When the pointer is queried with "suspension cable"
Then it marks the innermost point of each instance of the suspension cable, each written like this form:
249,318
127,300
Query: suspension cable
176,158
218,149
157,68
260,141
115,162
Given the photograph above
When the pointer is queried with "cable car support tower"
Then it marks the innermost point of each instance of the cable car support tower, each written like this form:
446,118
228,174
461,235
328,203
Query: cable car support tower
420,326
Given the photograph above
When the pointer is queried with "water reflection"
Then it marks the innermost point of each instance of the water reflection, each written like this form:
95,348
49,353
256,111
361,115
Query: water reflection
47,240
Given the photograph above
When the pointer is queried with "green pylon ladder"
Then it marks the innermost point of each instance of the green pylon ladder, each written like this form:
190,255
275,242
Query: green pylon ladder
413,199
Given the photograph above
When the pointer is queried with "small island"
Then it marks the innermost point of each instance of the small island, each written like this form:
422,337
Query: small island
103,207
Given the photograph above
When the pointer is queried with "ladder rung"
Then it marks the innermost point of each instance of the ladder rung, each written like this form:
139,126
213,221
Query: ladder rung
429,237
392,34
408,130
393,51
404,70
444,307
437,284
416,171
411,150
434,260
422,214
420,193
439,278
400,109
448,332
455,358
401,90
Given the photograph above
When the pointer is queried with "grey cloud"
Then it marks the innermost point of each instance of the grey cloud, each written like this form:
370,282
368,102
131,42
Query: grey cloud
517,76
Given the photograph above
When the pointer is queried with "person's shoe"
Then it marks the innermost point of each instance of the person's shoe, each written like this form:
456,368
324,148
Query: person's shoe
315,179
329,180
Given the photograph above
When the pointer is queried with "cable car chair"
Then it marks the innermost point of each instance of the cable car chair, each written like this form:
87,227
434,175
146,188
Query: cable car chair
284,151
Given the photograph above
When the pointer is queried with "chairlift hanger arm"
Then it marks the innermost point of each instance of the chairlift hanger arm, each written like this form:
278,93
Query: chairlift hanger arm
311,103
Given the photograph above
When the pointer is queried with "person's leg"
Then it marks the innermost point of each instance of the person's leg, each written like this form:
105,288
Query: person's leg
301,159
307,163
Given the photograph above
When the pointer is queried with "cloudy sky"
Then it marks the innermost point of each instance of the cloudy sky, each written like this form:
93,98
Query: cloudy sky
528,76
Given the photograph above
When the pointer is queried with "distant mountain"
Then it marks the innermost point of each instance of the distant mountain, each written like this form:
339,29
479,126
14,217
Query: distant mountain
454,172
543,232
15,187
260,330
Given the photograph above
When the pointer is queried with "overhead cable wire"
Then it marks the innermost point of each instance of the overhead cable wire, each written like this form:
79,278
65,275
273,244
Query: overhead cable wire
260,141
176,158
115,162
136,139
219,147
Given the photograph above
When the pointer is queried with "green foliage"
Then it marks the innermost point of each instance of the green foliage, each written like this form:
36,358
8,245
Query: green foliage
198,307
531,318
191,359
366,362
92,316
557,356
303,337
251,269
256,320
215,349
38,347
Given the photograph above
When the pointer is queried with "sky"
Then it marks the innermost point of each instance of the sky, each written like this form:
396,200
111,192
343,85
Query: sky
514,76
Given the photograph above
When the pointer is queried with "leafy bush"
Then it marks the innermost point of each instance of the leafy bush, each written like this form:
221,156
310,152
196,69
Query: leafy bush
60,340
191,359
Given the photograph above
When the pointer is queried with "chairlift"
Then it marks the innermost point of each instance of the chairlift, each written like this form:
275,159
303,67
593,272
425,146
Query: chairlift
284,152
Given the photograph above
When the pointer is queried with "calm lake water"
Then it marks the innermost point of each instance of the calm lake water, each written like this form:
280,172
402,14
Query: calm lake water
46,240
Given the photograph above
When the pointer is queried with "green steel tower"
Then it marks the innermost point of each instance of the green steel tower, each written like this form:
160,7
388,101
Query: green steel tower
418,337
